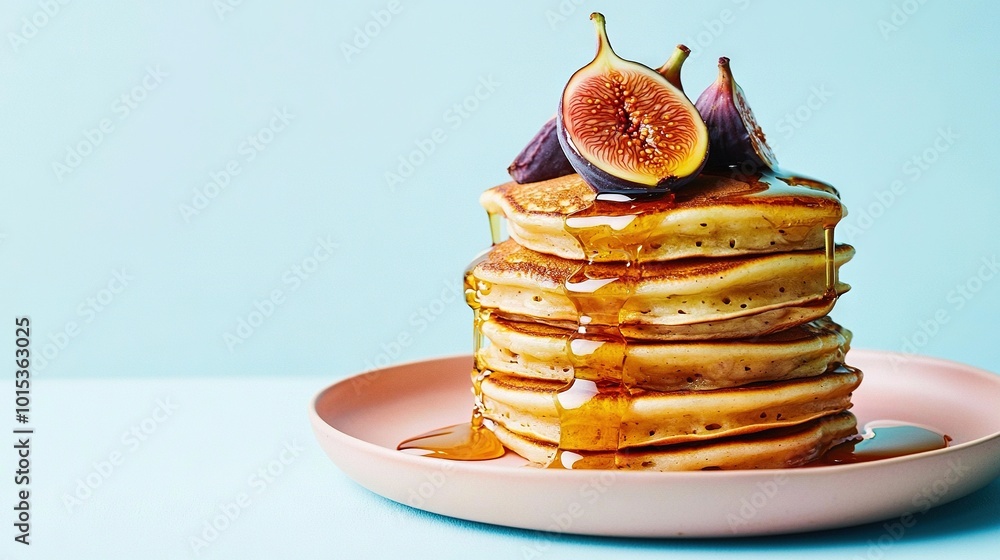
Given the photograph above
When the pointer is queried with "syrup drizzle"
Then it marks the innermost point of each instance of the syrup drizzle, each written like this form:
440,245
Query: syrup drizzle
613,228
471,441
791,182
617,228
829,247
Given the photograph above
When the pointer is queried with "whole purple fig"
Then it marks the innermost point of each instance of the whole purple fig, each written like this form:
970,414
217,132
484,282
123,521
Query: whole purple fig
736,140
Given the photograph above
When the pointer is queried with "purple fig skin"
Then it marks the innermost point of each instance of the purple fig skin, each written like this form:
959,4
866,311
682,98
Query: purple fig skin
542,159
736,139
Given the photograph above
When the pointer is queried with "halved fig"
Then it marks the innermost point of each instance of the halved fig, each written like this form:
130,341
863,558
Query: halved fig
542,158
671,69
736,138
625,128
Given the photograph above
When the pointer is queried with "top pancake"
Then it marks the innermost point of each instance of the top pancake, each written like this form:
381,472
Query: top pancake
713,216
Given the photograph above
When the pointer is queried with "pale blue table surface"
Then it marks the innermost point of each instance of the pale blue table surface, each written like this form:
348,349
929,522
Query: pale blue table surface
185,450
196,203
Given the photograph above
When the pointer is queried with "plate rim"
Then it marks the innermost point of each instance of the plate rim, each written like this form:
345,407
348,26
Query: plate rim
397,476
481,466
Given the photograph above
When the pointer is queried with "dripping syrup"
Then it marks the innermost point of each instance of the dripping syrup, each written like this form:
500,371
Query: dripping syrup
829,248
782,182
473,440
615,228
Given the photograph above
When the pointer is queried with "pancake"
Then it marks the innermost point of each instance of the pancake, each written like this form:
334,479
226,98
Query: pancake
690,299
770,449
713,216
591,419
540,351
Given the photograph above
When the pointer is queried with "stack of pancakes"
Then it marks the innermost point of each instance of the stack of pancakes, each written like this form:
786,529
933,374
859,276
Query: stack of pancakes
674,333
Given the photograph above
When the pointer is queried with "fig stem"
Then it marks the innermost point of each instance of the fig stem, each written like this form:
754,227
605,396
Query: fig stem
603,44
725,74
671,69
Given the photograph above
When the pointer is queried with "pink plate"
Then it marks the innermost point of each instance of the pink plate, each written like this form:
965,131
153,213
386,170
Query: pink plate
359,421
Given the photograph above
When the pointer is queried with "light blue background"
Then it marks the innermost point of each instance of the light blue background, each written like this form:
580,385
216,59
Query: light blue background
356,114
894,82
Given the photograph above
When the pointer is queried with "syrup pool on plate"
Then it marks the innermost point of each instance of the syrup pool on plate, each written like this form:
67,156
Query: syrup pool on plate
884,439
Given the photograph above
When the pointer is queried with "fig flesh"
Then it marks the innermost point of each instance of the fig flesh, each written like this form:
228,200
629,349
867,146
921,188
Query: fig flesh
542,159
736,138
625,128
671,69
